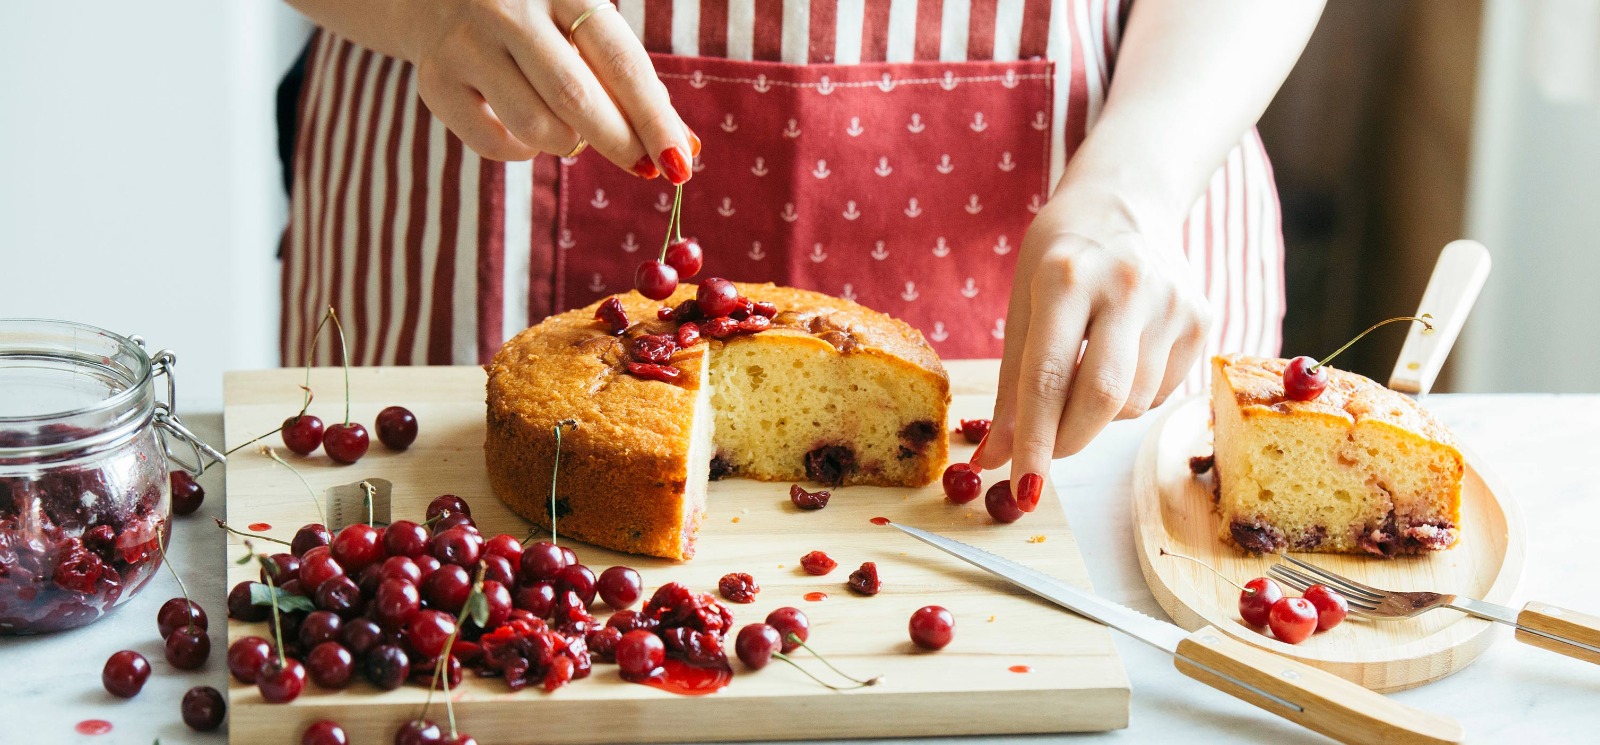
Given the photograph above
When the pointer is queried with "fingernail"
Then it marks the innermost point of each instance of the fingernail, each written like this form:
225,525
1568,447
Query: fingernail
1029,487
976,454
674,165
645,169
694,144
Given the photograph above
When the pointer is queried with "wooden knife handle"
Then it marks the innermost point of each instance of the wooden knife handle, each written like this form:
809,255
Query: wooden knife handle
1462,269
1327,703
1567,624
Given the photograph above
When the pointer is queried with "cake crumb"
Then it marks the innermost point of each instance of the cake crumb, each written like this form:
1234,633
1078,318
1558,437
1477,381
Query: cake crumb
736,518
780,566
744,511
1036,538
991,619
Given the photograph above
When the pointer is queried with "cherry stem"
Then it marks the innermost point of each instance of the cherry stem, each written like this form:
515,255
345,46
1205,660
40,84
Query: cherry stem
255,440
1423,319
270,453
672,223
555,470
1242,588
677,214
344,357
367,492
441,665
162,547
311,347
821,682
271,568
238,532
795,638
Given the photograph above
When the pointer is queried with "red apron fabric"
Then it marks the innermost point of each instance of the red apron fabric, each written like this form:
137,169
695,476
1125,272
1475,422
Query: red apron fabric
919,179
434,256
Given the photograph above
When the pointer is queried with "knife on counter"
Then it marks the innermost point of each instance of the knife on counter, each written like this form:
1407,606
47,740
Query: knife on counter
1312,698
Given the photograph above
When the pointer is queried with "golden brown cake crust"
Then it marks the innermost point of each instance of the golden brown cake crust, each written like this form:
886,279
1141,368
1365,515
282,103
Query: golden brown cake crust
623,473
1257,383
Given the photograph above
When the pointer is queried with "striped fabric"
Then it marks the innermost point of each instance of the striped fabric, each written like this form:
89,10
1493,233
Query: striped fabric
433,255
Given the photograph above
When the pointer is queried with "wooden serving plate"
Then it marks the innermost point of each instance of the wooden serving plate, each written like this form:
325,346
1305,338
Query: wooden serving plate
1077,681
1173,510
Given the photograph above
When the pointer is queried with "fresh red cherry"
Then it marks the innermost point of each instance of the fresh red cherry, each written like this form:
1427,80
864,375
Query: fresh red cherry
285,566
280,682
400,567
538,598
188,647
357,547
318,566
499,602
330,664
457,546
203,708
1293,619
309,536
1331,606
447,588
346,442
639,653
386,667
245,657
790,622
302,433
125,673
568,555
360,635
684,256
932,627
324,732
318,627
541,561
427,632
447,503
620,587
187,494
506,547
1257,599
405,538
1304,379
975,429
418,732
756,644
455,520
339,595
1001,504
240,606
655,280
462,738
717,297
397,427
961,483
179,612
579,579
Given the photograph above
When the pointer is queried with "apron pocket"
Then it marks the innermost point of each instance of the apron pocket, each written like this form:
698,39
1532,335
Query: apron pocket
903,186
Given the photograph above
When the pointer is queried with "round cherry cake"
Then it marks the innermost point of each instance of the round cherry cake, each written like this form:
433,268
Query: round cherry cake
774,384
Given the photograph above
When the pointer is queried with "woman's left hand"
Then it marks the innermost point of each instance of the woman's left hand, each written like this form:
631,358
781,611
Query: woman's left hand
1091,276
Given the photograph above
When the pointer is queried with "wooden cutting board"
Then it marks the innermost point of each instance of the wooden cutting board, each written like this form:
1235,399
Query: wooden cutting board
1076,683
1173,510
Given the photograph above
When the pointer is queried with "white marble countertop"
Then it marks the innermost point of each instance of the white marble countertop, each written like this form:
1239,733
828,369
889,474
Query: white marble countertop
1546,449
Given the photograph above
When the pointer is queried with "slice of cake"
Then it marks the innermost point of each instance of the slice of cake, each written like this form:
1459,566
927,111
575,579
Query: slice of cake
831,392
1359,469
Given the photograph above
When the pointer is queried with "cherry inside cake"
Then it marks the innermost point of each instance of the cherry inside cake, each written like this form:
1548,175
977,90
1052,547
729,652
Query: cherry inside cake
825,390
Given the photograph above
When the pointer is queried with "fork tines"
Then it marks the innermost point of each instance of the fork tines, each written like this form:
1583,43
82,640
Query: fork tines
1361,598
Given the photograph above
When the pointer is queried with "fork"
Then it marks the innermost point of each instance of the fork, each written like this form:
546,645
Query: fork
1542,625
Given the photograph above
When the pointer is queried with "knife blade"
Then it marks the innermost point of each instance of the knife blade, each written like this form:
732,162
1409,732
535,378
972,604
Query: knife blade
1315,699
1462,269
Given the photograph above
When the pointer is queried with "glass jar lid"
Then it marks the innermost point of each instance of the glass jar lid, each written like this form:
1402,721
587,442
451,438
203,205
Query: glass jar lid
69,386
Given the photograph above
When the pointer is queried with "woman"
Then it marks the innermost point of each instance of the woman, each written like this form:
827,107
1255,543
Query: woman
926,158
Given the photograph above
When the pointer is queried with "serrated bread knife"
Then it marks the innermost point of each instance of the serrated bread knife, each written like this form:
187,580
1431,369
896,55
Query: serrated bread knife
1312,698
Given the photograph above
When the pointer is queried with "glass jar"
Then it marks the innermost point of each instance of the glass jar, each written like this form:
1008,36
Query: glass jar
84,484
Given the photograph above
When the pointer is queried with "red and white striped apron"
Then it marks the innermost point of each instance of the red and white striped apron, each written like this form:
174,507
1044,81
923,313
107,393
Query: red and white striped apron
892,151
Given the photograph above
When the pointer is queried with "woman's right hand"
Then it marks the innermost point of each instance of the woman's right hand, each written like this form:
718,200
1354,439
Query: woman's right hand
502,75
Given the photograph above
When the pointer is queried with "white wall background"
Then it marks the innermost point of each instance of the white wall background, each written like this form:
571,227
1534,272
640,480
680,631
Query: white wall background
1534,199
139,186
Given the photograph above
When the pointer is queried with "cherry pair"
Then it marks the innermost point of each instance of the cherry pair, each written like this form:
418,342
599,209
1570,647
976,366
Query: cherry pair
681,258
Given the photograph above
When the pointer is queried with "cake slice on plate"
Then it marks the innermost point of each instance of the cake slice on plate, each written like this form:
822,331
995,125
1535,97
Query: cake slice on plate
1358,469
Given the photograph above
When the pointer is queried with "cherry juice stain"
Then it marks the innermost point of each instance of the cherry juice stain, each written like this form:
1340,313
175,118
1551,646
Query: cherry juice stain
260,526
684,679
816,597
1020,669
93,727
880,521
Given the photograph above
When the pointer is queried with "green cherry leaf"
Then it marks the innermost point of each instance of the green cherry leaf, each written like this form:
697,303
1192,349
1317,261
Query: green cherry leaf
478,608
261,594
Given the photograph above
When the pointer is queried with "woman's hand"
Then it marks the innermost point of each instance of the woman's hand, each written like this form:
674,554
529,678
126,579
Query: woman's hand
502,75
1090,272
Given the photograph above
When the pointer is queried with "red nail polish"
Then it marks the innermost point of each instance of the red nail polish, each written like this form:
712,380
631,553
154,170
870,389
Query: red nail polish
674,165
645,169
976,454
1029,487
694,144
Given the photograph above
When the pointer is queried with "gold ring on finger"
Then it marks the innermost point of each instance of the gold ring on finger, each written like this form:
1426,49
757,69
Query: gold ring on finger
578,148
584,16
